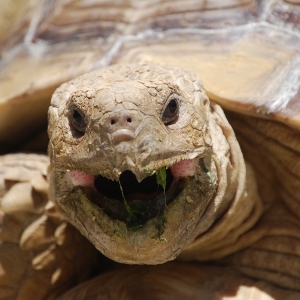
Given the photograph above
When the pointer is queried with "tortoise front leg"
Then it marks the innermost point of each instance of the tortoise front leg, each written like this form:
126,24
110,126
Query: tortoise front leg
41,255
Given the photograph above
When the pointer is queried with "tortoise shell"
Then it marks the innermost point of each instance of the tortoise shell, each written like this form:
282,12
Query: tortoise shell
247,55
245,52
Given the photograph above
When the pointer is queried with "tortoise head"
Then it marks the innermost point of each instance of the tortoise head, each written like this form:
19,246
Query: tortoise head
131,159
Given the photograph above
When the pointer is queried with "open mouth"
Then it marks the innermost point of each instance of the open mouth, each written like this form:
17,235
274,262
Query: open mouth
141,212
131,201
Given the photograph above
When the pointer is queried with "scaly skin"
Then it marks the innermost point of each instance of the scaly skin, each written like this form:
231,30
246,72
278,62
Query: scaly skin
211,210
216,201
40,252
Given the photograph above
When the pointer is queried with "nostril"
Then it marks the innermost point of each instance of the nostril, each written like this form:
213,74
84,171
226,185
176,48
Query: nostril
120,120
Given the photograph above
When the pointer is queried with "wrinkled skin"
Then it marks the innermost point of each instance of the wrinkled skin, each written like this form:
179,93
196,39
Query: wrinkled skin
40,252
210,209
122,109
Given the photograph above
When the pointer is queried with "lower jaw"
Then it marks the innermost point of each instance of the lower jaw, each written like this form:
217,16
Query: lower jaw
140,201
159,236
158,240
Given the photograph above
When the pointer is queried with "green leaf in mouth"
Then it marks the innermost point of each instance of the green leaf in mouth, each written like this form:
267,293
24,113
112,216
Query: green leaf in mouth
135,227
136,209
160,227
161,177
132,216
147,171
204,169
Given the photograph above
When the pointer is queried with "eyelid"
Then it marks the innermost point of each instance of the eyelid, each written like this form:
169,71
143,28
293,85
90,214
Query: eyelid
73,107
77,130
170,98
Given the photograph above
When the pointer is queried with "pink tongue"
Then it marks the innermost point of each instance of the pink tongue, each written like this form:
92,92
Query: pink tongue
81,178
184,168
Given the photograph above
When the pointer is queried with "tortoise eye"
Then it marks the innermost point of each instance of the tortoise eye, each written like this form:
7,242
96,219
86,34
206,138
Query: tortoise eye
171,109
78,120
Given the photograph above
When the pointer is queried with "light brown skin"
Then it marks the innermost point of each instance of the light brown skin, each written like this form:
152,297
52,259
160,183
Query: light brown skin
167,281
249,63
228,223
200,132
40,252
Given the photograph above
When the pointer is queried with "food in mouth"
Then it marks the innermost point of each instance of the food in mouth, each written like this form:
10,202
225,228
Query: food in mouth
131,201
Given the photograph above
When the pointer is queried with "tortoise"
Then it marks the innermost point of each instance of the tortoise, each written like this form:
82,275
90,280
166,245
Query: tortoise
143,166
